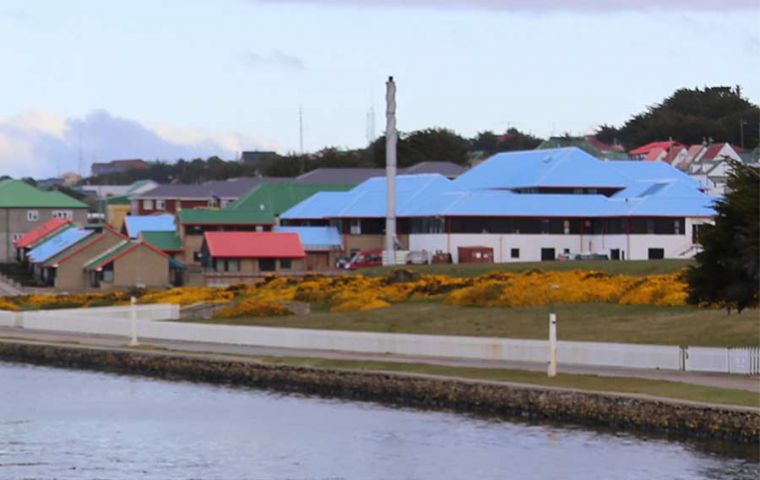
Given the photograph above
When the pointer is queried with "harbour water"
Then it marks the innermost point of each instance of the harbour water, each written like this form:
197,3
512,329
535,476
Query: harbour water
66,424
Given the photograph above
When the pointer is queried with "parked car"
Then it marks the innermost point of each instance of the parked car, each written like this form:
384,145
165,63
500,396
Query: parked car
418,257
366,258
342,263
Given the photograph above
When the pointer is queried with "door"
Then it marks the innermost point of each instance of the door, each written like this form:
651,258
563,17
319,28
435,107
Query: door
317,261
615,254
547,254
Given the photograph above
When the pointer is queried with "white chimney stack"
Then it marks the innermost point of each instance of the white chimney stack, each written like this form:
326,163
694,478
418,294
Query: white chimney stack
389,257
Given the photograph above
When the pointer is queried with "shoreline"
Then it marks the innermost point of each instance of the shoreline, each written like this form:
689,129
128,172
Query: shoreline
620,411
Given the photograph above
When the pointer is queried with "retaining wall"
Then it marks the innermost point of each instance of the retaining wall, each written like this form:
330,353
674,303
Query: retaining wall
616,411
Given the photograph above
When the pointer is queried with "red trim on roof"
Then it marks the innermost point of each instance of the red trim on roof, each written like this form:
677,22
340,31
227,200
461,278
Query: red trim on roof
254,244
40,232
127,250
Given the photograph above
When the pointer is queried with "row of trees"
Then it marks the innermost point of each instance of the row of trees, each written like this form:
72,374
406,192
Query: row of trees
689,116
434,144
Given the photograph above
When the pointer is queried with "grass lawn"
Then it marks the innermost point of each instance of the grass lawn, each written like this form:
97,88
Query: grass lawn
660,388
631,267
589,322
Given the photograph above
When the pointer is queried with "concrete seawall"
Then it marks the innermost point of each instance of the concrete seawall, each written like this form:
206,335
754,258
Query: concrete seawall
616,411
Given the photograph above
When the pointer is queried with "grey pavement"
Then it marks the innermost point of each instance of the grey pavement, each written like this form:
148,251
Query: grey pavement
739,382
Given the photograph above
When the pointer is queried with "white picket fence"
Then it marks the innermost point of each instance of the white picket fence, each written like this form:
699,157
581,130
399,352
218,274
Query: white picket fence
116,321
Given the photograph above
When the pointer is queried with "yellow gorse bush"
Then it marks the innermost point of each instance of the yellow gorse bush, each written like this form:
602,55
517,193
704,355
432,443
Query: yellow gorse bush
253,308
357,292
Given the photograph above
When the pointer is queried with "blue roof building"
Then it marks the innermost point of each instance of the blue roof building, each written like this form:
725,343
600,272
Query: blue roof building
134,224
57,244
530,197
316,238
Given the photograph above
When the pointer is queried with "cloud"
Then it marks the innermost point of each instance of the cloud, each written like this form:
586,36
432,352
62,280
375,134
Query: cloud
42,144
550,5
274,59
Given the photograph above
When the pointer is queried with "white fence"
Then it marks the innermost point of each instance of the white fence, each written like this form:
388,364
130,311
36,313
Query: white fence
115,321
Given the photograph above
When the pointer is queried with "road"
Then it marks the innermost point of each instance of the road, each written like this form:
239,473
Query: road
739,382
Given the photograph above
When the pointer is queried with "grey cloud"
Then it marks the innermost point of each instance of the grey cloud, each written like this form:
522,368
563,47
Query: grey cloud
273,59
550,5
26,150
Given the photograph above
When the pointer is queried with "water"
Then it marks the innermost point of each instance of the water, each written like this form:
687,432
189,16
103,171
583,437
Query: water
82,425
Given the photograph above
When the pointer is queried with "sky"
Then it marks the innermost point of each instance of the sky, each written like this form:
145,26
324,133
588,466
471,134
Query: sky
87,80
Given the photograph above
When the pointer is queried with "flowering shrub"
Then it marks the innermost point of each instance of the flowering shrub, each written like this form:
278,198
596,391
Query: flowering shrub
253,308
356,292
6,305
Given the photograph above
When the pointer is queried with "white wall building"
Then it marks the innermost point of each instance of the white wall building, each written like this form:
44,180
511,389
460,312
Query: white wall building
528,206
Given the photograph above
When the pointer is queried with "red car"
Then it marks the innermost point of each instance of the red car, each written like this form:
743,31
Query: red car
366,258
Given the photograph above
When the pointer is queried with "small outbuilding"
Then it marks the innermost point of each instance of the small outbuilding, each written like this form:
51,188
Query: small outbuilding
321,244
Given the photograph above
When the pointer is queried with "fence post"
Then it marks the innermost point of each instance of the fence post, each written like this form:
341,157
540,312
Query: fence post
18,319
133,322
552,370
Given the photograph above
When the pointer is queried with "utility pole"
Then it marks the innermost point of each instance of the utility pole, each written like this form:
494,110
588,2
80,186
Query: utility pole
742,122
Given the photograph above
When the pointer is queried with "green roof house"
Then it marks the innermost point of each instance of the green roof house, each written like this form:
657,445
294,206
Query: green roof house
24,207
257,210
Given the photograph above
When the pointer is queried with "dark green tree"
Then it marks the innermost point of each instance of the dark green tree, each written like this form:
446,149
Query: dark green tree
429,145
691,116
726,270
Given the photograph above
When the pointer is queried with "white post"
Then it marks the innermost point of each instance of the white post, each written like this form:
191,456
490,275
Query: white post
552,370
18,319
389,257
133,322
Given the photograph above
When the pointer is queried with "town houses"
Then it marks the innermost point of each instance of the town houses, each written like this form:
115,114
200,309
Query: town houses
552,203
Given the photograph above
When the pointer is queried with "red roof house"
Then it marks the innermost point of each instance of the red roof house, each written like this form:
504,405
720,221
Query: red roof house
654,149
40,233
241,253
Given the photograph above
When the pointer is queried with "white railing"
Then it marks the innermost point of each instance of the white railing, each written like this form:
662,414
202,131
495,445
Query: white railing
116,321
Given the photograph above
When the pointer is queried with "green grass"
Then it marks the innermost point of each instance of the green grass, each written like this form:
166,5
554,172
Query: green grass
633,267
586,322
659,388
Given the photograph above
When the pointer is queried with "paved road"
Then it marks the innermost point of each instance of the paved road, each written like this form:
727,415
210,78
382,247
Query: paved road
740,382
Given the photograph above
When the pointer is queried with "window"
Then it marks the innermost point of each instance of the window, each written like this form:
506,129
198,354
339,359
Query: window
615,254
677,227
67,214
356,227
515,253
286,263
566,227
147,204
232,265
566,251
16,236
267,264
259,228
160,205
32,215
656,253
650,225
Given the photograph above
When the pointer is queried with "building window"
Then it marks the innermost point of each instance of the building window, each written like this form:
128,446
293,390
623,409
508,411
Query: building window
356,226
232,265
515,253
32,215
66,214
566,226
259,228
650,225
16,236
547,254
286,263
147,204
267,264
656,253
677,227
160,205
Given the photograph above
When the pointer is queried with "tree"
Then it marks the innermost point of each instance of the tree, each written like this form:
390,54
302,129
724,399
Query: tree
691,116
726,270
429,145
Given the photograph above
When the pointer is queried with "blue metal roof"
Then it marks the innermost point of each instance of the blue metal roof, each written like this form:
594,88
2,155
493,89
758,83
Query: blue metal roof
152,223
557,167
646,188
57,244
315,238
